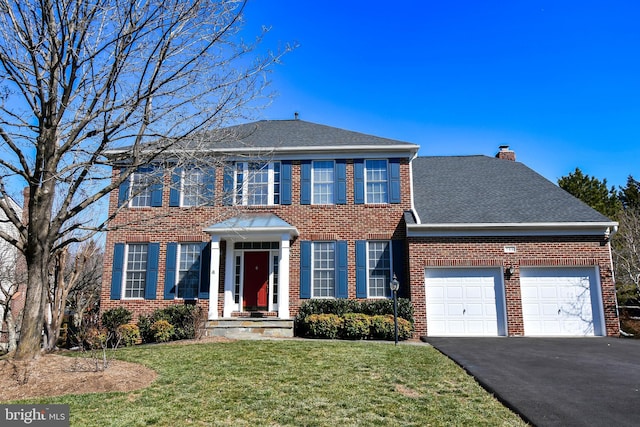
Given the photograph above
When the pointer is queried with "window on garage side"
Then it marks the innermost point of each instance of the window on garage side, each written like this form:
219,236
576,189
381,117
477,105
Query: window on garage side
188,270
379,269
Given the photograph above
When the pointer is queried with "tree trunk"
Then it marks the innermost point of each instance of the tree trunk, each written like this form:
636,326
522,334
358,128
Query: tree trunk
38,260
12,340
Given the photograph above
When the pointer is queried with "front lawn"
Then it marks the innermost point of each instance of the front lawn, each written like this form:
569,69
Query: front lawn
293,383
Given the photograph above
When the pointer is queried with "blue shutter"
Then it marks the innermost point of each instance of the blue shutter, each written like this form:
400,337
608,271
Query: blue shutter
174,191
156,187
123,191
227,186
117,270
209,186
394,181
305,182
305,269
153,254
341,182
358,179
170,271
398,254
361,268
285,183
205,270
342,290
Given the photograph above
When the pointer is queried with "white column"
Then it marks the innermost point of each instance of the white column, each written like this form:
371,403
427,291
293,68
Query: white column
229,300
283,285
214,277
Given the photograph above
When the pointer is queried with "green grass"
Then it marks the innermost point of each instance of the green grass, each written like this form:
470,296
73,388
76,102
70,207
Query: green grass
293,383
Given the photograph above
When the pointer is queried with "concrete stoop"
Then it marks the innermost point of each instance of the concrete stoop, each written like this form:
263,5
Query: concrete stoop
249,328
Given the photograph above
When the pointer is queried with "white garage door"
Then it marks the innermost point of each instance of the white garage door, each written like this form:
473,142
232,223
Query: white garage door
465,302
563,301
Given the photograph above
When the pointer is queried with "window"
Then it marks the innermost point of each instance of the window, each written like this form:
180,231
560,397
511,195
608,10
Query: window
193,187
376,181
324,265
323,182
141,188
188,270
257,183
136,273
378,268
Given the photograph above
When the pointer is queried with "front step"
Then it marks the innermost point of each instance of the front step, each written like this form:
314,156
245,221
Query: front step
249,328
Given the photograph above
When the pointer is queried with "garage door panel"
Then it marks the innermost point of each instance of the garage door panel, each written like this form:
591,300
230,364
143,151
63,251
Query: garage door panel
469,298
560,301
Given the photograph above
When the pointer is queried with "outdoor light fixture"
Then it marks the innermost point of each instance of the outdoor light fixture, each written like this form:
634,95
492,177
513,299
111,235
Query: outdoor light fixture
395,285
509,270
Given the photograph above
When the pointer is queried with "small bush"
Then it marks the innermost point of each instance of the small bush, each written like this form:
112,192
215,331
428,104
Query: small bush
186,320
129,334
116,317
355,326
323,325
95,338
162,330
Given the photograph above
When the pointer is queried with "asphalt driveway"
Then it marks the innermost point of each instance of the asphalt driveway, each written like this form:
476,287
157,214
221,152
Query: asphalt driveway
556,381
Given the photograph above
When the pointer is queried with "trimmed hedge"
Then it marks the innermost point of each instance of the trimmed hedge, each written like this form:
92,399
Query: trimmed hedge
356,326
342,307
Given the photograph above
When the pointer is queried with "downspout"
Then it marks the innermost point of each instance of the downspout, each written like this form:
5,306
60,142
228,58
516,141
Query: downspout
413,206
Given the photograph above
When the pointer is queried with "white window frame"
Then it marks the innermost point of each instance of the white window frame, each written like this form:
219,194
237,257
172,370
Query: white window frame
387,279
244,198
367,197
146,191
331,183
128,270
313,270
179,269
183,184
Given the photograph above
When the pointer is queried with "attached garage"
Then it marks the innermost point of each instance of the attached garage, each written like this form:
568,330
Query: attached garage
465,302
561,301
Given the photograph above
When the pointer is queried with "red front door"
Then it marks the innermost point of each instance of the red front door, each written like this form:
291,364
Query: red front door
256,280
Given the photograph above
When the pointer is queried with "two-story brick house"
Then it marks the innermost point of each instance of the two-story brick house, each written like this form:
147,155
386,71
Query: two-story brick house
298,210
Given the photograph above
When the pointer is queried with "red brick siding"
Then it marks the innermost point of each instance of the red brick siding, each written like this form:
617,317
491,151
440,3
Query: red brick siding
489,252
165,224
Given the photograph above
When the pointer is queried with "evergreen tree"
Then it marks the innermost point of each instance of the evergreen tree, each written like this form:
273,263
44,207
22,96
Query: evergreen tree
593,192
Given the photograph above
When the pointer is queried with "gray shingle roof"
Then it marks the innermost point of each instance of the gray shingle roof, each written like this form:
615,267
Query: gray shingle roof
292,134
481,189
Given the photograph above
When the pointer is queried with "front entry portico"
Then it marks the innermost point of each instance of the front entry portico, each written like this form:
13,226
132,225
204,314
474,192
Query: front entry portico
256,265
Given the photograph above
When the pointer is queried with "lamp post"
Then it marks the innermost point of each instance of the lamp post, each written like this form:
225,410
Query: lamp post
395,285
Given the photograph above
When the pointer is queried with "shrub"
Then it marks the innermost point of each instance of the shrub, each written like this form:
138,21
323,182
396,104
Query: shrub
355,326
383,328
129,334
340,307
162,330
323,325
95,338
185,320
114,318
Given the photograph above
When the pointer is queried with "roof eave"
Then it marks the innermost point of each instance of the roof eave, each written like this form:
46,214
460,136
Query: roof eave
605,228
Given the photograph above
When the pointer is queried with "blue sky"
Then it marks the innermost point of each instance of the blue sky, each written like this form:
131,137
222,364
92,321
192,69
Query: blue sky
558,81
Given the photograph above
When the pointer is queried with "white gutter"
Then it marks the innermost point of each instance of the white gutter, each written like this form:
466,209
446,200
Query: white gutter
512,229
414,211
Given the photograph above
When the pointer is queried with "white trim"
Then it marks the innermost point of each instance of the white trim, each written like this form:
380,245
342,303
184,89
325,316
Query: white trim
214,277
511,229
414,211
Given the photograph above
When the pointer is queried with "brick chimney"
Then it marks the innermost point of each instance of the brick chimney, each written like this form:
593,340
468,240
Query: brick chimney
506,154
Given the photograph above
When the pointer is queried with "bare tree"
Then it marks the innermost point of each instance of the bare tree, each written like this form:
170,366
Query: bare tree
12,279
70,274
626,255
84,78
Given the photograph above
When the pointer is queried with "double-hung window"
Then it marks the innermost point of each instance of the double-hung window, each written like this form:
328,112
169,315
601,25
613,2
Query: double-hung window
257,183
136,271
188,270
324,269
193,187
376,181
378,268
323,182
